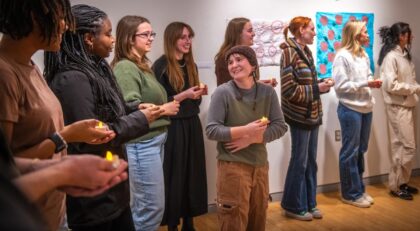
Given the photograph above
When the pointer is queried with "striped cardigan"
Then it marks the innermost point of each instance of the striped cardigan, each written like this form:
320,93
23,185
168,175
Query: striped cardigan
300,94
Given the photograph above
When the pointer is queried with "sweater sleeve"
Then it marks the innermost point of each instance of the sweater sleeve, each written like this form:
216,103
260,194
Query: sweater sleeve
216,129
81,106
291,89
277,127
389,75
128,78
342,78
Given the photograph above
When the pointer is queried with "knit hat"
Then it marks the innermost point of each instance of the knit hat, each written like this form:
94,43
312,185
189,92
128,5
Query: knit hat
246,51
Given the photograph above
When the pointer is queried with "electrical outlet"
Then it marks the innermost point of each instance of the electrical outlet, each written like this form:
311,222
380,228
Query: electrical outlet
337,135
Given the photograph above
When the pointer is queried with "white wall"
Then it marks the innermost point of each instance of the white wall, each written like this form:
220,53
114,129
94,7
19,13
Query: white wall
209,19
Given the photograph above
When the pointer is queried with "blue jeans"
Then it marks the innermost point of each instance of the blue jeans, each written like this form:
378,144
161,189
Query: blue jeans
145,160
300,186
355,129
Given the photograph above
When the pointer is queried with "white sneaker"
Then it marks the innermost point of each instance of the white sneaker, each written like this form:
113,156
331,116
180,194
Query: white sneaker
368,198
360,202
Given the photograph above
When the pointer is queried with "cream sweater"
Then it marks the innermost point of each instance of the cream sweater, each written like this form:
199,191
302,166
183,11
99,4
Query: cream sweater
351,75
399,79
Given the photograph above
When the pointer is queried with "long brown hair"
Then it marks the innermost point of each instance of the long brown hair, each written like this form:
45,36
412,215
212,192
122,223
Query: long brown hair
295,24
126,34
232,35
173,32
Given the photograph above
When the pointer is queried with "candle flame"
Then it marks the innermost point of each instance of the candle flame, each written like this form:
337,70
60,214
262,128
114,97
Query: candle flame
108,156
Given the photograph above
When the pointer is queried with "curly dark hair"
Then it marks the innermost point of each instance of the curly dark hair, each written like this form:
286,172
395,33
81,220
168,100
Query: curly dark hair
391,38
19,17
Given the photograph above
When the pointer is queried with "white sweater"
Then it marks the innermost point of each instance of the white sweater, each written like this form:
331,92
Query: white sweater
351,75
399,79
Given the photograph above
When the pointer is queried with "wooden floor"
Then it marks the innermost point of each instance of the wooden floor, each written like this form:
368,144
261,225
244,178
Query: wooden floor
388,213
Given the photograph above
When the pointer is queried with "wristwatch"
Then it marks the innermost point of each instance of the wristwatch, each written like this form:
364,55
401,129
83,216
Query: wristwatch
59,142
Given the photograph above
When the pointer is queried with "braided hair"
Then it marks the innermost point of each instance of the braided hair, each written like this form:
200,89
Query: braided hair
74,55
391,38
18,17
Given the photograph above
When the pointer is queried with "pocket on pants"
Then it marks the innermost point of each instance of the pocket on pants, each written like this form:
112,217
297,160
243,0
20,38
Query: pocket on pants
228,214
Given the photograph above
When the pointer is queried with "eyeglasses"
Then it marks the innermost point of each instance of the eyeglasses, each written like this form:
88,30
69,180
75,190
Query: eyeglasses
186,38
147,35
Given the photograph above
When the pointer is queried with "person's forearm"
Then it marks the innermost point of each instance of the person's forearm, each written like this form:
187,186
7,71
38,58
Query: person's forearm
238,132
43,150
36,184
180,97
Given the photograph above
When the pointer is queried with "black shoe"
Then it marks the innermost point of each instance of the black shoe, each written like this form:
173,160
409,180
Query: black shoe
402,194
408,188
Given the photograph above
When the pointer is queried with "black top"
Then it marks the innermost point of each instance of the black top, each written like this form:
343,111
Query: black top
74,91
188,107
16,212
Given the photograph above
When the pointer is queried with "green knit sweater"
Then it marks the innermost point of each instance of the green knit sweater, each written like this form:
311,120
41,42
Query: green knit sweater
143,87
228,109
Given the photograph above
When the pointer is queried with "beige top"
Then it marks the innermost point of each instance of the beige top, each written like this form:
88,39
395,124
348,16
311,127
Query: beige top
399,79
27,102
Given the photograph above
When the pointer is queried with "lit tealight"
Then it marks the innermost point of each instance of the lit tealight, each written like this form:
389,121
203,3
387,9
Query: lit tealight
101,126
202,86
264,119
113,158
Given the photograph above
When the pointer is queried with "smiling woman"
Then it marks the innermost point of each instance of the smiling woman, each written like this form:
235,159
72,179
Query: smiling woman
138,83
184,163
239,108
86,87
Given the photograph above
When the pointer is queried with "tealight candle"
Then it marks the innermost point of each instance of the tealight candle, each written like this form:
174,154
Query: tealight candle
202,86
113,158
264,119
101,126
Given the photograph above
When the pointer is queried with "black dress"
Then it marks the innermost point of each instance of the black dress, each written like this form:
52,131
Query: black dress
184,163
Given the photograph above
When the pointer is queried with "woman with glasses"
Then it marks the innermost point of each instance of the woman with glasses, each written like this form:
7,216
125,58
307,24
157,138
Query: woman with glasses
139,85
184,163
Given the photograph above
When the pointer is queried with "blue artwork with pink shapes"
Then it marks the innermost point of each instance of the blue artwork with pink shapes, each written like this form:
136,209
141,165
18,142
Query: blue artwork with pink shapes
328,29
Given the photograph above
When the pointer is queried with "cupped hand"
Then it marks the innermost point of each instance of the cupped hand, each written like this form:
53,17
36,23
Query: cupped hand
152,113
93,172
85,131
171,108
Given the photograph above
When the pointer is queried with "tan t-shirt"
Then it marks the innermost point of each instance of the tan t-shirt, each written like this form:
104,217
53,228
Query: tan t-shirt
27,102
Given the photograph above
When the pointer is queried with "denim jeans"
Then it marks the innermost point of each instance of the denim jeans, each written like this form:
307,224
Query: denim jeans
300,186
355,129
145,160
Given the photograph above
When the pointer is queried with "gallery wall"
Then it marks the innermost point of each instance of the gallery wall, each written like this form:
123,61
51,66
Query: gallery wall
209,19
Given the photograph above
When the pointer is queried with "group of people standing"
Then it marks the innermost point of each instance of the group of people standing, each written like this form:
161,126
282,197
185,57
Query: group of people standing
151,121
150,114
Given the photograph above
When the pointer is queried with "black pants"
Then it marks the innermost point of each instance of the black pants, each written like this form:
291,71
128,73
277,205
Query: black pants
122,222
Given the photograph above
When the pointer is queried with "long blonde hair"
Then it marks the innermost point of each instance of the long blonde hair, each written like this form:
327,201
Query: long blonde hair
350,35
172,33
126,34
232,36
